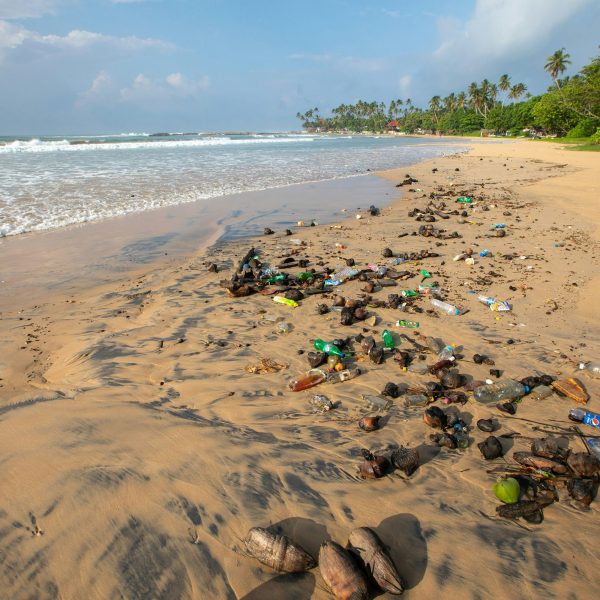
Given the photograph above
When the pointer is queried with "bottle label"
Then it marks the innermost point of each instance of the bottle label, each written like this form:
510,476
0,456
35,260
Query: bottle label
591,419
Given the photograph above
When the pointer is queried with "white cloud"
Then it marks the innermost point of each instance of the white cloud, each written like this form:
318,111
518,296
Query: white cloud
98,89
502,28
404,85
12,36
144,90
22,9
352,63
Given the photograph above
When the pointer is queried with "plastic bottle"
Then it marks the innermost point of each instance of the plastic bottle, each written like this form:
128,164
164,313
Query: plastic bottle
345,273
286,301
304,276
435,345
446,353
388,340
345,375
379,402
495,305
449,309
484,253
461,436
416,400
426,274
580,415
592,369
420,368
328,347
409,293
540,392
283,327
321,403
505,389
464,200
308,380
407,324
594,446
277,278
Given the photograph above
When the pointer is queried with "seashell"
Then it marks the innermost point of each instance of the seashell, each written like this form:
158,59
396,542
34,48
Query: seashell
369,423
486,425
547,447
376,354
539,462
452,380
316,359
435,417
443,440
581,490
277,551
405,459
342,573
365,543
374,466
585,465
490,448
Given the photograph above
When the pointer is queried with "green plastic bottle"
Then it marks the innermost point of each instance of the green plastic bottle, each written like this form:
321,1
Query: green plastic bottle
328,347
409,293
304,276
425,274
388,340
277,278
409,324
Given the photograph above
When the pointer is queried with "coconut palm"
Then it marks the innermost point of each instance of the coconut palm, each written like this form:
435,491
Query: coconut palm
517,90
461,100
504,82
557,64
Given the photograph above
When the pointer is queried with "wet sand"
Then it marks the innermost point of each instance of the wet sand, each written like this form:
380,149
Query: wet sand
132,436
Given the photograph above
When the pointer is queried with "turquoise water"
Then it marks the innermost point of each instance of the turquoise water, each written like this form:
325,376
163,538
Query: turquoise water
51,182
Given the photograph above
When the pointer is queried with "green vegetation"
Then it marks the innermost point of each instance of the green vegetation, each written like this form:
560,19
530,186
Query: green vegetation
570,107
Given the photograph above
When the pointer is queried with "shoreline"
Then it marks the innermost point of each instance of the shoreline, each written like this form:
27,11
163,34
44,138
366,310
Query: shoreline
150,450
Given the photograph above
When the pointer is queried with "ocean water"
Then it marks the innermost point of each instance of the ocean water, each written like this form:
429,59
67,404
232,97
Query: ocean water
51,182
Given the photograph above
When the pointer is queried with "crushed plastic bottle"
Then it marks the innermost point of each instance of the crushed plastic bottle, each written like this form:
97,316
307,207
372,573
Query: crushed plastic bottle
321,403
495,305
446,353
420,368
378,402
464,199
286,301
505,389
345,375
388,340
449,309
540,392
416,400
407,324
591,369
283,327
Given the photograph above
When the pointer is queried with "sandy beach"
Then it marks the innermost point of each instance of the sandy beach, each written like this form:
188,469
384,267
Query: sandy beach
136,450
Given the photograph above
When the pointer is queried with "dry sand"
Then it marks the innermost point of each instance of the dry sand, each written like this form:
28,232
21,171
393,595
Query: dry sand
133,438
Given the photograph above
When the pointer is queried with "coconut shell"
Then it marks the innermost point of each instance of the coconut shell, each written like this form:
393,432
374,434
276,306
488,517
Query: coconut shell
369,423
374,466
585,465
451,380
405,459
295,295
366,344
491,448
346,318
391,390
486,425
341,572
581,490
365,543
435,417
316,359
376,354
444,440
277,551
547,447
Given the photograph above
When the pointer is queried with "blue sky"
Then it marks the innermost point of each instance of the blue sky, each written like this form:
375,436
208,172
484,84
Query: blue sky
99,66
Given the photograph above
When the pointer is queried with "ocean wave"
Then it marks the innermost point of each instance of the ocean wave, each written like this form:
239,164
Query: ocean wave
76,145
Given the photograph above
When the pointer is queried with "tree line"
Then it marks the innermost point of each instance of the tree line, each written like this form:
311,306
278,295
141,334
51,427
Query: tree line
570,106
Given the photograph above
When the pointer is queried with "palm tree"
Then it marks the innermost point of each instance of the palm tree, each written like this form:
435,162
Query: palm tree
516,91
434,107
461,100
557,64
504,82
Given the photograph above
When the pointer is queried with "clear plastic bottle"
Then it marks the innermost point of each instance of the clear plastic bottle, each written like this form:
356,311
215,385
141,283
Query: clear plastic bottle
420,368
449,309
413,400
345,375
539,392
321,403
580,415
446,353
505,389
378,402
435,345
594,446
592,369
